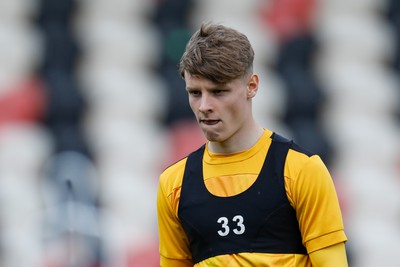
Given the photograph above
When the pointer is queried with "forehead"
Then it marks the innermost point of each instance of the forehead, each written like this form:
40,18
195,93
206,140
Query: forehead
197,82
197,79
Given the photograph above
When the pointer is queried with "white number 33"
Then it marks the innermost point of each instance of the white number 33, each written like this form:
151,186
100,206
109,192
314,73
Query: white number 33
238,230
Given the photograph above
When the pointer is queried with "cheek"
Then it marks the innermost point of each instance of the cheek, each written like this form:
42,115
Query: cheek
237,106
192,105
238,111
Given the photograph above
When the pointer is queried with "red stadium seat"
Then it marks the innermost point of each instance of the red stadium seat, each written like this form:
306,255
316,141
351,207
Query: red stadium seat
288,18
24,103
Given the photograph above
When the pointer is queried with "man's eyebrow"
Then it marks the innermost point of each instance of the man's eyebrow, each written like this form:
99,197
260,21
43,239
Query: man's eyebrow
215,86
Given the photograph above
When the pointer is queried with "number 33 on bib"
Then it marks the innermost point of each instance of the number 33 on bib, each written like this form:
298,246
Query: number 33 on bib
238,229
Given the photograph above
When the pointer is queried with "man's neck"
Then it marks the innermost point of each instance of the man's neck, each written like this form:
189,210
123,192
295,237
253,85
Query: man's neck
240,142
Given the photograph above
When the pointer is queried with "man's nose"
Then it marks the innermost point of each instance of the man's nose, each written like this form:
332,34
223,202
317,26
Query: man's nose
205,103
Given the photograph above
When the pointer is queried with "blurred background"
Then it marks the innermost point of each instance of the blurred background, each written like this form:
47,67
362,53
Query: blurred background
92,109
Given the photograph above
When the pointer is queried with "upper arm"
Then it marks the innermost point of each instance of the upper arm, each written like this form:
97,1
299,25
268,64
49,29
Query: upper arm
315,201
173,242
332,256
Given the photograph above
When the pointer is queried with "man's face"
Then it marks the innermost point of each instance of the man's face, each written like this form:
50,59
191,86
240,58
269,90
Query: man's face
222,110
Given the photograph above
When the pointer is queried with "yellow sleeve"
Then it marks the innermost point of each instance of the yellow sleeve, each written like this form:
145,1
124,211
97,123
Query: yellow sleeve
173,242
315,200
333,256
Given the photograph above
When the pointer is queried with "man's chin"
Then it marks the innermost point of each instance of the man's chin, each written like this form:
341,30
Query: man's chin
212,136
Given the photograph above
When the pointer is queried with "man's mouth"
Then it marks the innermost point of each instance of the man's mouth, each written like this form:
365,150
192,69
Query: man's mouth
209,122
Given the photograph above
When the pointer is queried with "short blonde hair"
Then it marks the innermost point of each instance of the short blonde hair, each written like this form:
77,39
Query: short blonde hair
218,53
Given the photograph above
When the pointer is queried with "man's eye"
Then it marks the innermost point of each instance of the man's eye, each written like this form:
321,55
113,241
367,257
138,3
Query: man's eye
194,93
218,92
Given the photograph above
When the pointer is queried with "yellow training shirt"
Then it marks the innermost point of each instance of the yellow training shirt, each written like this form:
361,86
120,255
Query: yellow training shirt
309,189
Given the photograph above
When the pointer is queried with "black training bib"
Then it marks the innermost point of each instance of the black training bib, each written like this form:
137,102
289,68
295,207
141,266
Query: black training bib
259,219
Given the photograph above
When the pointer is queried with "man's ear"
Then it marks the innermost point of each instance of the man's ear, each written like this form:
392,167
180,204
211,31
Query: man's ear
252,85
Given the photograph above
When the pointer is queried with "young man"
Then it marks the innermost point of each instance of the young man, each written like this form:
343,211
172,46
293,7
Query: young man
248,197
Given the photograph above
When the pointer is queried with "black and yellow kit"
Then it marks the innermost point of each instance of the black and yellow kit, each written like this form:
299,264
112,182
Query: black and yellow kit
270,205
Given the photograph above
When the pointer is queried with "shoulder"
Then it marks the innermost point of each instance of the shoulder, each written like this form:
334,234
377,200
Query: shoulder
300,160
171,178
307,177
